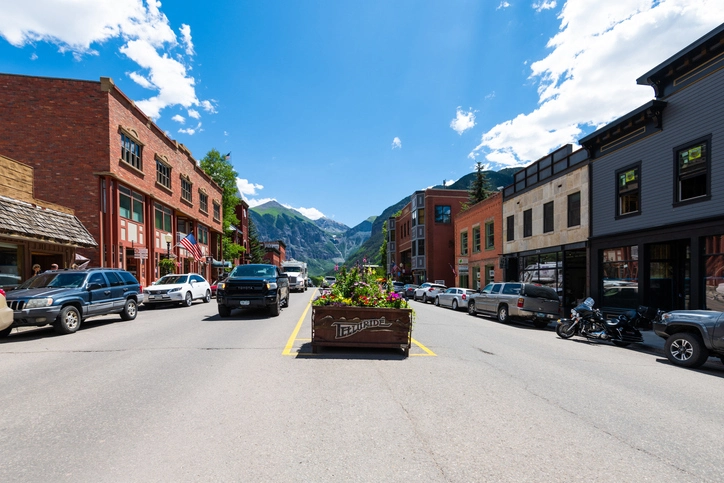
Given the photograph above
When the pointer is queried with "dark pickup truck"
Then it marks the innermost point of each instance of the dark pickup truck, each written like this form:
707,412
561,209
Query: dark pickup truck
253,286
692,336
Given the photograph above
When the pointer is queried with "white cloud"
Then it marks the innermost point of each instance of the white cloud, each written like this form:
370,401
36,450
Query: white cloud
179,118
186,38
396,143
503,5
589,77
194,113
311,213
463,121
148,40
247,188
544,5
191,130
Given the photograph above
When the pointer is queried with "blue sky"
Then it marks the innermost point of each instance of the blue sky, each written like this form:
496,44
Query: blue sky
342,108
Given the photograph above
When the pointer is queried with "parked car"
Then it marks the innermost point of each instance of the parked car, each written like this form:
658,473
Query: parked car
428,291
6,316
328,282
254,286
692,336
178,288
66,298
215,284
515,300
409,291
398,287
454,297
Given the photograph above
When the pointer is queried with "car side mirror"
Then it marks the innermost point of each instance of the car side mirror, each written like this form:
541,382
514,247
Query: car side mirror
94,286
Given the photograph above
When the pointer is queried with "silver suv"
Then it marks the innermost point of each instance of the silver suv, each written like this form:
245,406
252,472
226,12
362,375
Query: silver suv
514,300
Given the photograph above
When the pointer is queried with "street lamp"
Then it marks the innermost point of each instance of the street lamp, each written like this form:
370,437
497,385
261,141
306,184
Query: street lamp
168,238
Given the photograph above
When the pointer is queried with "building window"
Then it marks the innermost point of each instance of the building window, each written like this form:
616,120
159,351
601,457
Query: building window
203,202
203,235
163,174
186,190
131,152
489,236
476,239
217,211
574,209
628,190
421,216
421,247
527,223
163,217
510,228
620,267
464,243
548,217
692,171
442,214
713,273
130,204
414,218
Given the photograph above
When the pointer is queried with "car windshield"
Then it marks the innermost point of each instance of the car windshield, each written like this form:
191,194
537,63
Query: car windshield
173,279
254,271
293,269
55,280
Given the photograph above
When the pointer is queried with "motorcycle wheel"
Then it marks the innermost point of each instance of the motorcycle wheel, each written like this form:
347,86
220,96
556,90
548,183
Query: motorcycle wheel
619,343
564,330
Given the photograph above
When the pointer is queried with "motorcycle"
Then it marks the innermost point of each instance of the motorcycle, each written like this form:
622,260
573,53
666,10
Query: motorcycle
622,331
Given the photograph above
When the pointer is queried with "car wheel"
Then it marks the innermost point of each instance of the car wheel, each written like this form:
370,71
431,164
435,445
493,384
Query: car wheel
503,316
286,301
275,308
129,310
6,332
207,297
686,350
424,298
188,300
68,320
471,308
224,311
437,301
455,305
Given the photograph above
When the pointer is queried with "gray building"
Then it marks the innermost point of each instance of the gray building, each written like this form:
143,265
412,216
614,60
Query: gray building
657,189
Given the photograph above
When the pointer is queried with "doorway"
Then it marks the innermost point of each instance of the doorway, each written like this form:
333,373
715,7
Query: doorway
668,275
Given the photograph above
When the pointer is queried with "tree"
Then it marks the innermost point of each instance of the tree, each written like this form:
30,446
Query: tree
256,249
479,188
223,174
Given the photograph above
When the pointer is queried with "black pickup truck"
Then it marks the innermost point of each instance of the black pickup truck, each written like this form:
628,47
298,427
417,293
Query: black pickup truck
253,286
692,336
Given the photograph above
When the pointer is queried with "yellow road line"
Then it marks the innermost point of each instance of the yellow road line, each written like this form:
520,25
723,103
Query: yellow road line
290,343
428,351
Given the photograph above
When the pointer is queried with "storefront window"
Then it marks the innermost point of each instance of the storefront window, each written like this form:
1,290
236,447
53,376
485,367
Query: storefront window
545,269
714,273
10,269
620,269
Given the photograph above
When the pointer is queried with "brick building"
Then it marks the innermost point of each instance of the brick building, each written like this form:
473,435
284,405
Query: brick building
424,236
95,152
275,252
479,243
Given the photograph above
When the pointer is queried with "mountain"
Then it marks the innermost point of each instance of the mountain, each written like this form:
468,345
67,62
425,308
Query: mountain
370,249
320,244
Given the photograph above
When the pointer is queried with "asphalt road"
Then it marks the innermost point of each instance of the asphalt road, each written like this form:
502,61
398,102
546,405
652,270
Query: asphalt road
181,395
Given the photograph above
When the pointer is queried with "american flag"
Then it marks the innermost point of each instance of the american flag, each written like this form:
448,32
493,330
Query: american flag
227,157
189,243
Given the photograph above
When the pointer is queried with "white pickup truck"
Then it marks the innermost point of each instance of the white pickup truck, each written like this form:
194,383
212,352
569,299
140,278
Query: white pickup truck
297,273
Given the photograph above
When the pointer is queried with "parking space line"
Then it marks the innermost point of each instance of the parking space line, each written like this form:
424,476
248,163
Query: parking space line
428,352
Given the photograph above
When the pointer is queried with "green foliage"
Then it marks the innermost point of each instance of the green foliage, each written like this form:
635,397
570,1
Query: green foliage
167,265
256,249
360,288
383,248
223,174
479,188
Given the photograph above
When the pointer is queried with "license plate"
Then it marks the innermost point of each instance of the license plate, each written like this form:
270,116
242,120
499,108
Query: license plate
244,302
541,315
151,296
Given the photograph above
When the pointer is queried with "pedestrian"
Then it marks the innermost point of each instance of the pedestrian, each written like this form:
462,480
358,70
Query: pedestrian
54,266
36,269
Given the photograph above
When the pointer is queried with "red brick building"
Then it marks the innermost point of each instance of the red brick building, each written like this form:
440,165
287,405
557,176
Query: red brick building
424,237
241,231
275,252
95,152
479,243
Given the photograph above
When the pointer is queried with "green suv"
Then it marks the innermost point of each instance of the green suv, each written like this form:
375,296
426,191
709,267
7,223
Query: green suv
65,298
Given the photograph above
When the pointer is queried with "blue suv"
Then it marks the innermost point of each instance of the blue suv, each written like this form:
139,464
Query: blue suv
65,298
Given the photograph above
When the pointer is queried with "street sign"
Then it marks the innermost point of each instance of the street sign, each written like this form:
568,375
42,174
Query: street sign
141,253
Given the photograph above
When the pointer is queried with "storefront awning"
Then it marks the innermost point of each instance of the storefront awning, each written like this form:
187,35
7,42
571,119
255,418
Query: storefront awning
29,221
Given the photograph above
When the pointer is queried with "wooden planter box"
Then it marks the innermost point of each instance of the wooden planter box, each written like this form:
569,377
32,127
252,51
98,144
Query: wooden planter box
361,327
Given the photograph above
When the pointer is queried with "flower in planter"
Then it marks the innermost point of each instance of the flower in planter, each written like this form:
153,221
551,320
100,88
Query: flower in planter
356,288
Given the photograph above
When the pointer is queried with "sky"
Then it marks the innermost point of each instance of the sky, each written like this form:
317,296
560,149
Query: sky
341,108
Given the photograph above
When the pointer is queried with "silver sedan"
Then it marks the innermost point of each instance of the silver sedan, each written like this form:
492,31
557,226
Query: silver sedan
454,297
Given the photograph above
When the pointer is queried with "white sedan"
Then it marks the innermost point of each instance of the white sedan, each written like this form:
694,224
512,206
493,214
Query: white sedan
178,288
454,297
